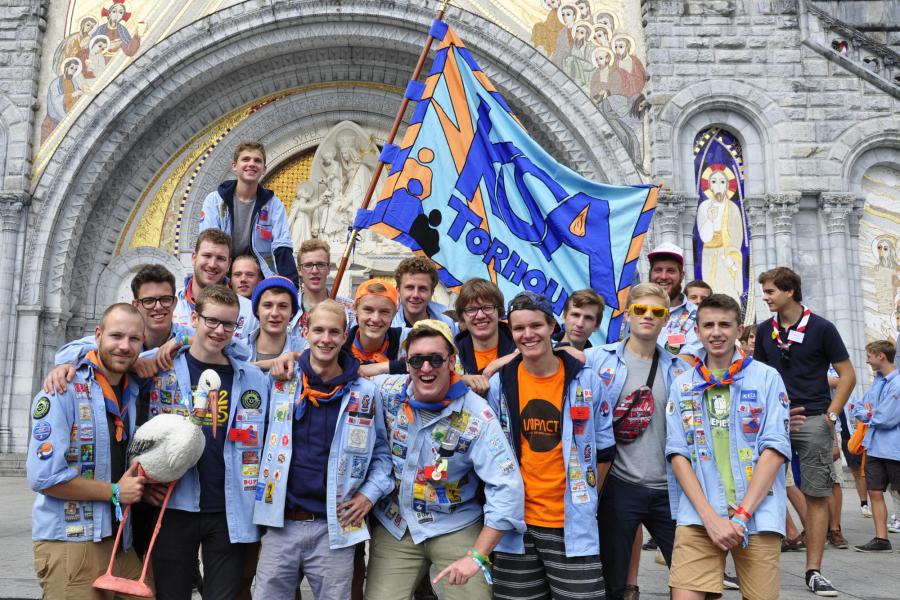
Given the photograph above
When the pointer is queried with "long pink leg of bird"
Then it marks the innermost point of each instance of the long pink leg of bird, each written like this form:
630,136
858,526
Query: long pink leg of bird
162,510
214,407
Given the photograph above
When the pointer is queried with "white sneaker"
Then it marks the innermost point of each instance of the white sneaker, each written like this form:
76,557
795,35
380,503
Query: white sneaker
866,511
894,524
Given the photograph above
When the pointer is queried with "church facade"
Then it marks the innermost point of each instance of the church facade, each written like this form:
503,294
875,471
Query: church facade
772,127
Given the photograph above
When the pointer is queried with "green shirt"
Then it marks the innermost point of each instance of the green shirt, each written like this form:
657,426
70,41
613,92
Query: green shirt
718,407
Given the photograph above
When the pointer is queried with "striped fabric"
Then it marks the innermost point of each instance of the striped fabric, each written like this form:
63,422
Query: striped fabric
544,572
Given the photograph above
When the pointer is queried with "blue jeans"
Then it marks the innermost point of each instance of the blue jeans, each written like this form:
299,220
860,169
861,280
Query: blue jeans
623,508
299,549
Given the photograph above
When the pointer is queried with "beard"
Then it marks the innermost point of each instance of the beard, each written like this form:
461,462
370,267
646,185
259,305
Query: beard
108,360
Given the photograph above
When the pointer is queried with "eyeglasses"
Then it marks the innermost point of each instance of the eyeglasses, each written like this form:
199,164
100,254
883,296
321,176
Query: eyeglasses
639,310
487,309
315,266
164,301
435,360
213,323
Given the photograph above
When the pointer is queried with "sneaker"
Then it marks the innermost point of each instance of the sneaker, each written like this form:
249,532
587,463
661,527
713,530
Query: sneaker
894,524
866,511
650,545
730,582
837,539
875,545
632,592
820,586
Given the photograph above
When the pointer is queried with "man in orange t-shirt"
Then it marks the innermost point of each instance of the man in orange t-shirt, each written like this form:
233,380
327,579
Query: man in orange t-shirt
550,407
485,338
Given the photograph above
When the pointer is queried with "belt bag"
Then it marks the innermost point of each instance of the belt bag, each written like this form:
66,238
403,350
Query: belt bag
633,413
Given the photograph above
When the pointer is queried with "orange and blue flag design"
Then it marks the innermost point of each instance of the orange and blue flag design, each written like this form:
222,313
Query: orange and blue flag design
470,189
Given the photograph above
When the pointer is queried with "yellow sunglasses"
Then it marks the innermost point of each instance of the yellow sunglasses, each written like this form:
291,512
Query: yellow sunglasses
639,310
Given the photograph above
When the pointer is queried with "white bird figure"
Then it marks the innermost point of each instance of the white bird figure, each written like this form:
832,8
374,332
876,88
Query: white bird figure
167,446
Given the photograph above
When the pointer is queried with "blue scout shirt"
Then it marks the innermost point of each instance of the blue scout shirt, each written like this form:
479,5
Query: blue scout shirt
467,433
270,234
880,408
249,394
246,323
435,310
759,420
608,363
70,438
583,439
358,460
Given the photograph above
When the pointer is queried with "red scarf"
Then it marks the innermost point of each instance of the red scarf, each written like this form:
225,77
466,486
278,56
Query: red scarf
109,396
729,377
776,329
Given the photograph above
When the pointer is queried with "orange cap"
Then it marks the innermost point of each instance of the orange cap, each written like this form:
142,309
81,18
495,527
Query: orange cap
389,291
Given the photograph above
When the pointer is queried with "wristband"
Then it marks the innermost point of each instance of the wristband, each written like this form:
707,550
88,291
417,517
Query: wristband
740,510
484,569
744,526
185,340
481,558
115,501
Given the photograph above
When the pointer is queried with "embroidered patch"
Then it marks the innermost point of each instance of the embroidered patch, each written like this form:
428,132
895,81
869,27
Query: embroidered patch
41,407
251,399
41,430
45,451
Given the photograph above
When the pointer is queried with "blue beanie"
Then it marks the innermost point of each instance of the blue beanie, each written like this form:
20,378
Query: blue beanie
273,282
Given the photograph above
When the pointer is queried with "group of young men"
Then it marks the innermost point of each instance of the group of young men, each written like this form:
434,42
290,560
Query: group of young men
488,446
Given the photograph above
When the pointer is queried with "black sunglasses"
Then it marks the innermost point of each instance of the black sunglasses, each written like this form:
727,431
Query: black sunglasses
435,360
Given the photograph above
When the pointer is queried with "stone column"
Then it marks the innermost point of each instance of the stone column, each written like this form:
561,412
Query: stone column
668,216
857,311
836,208
688,220
11,205
755,207
783,207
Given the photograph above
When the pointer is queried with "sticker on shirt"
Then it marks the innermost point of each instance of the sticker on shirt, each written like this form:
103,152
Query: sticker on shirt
281,411
459,420
675,340
587,453
251,399
82,390
796,336
87,470
783,398
423,517
245,435
700,437
281,458
359,467
750,425
366,406
581,412
87,453
250,471
745,454
591,476
575,473
670,407
270,492
41,407
87,510
463,445
86,433
285,440
357,437
604,408
249,457
578,485
277,475
74,531
44,451
72,454
71,512
399,435
84,412
488,414
398,450
703,453
749,396
581,498
342,466
607,376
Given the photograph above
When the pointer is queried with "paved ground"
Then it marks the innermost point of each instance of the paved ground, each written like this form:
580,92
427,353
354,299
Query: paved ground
856,575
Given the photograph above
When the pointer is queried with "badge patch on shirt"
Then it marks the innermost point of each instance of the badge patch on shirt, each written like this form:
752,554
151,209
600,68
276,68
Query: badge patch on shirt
281,411
71,511
270,492
507,466
72,454
74,531
248,457
84,412
87,470
86,433
44,451
581,498
41,430
783,398
359,466
250,471
251,399
357,437
607,377
591,477
87,453
750,425
41,407
745,454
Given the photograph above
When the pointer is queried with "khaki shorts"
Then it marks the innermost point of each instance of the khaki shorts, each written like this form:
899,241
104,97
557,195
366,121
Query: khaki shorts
699,565
68,569
788,475
813,443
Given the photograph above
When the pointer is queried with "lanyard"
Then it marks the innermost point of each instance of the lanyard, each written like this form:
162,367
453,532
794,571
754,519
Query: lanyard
801,327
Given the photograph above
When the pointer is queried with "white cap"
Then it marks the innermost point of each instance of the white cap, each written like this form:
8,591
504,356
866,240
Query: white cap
668,249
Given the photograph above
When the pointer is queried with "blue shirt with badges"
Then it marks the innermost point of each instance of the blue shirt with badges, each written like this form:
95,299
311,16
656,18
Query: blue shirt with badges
211,466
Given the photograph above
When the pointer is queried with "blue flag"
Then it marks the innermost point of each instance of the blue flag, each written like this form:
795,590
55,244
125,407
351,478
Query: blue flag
471,190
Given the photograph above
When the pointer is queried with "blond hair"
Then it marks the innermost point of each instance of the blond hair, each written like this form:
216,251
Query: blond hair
648,289
328,306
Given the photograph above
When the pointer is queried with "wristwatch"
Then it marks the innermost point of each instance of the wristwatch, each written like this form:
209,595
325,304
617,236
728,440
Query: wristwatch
832,417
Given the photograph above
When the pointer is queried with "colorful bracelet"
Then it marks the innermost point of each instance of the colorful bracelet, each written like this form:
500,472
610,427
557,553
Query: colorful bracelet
484,570
482,559
740,510
746,528
115,501
185,340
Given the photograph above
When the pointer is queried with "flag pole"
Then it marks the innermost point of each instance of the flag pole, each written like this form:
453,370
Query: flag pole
351,242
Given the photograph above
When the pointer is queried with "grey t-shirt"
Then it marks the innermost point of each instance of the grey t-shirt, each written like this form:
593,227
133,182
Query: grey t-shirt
643,461
240,231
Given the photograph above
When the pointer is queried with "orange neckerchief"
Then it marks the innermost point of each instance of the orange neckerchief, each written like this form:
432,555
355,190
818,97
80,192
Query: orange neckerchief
367,358
709,380
189,296
313,395
109,396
